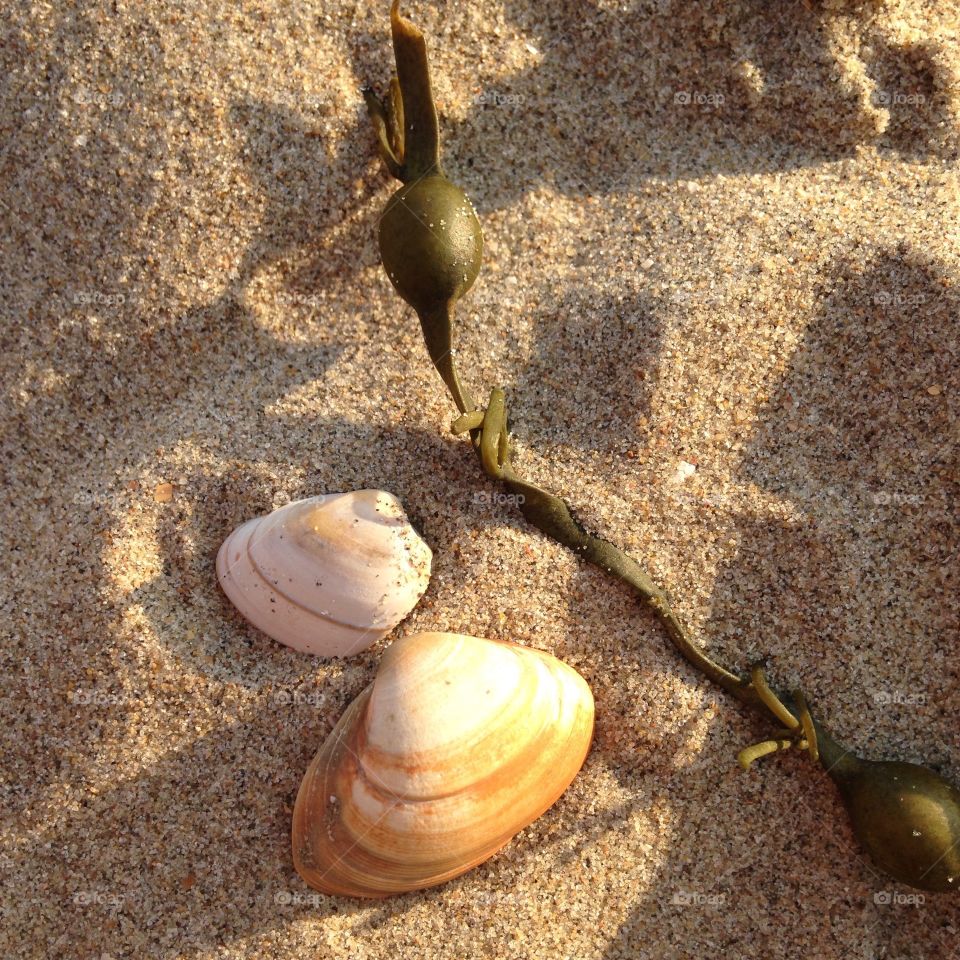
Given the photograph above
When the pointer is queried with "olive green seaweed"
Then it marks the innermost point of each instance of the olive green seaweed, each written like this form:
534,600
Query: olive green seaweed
905,815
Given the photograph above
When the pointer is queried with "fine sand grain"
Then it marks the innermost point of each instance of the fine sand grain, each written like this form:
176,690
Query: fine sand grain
721,287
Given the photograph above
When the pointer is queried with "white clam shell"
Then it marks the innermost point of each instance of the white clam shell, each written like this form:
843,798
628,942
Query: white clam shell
457,745
329,575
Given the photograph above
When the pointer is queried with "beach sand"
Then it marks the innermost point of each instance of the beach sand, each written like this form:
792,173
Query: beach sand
720,286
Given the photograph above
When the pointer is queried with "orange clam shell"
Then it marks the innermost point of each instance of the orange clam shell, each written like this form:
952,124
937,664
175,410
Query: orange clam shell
457,745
